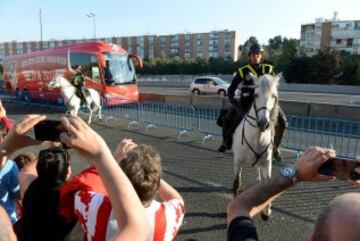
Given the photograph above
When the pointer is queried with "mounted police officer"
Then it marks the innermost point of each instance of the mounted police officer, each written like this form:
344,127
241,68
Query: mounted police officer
78,80
239,107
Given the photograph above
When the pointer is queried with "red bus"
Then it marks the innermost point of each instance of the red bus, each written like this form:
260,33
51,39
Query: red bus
108,69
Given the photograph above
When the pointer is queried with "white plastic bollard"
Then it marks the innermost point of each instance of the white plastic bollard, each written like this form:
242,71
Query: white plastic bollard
183,133
207,138
149,127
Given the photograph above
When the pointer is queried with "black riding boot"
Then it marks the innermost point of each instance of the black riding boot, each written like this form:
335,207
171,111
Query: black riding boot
223,147
82,96
279,133
231,121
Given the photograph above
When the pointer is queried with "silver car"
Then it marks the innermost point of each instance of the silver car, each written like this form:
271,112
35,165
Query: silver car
209,85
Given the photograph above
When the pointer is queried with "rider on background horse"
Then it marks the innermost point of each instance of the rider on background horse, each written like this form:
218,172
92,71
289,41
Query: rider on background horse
78,80
239,107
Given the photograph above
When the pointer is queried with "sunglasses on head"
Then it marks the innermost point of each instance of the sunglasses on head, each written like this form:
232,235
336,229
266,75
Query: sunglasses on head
51,153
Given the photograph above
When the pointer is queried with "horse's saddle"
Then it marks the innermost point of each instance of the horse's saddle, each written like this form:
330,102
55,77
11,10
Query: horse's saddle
79,94
86,92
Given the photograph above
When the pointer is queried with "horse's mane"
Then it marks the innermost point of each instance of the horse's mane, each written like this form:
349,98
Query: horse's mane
268,85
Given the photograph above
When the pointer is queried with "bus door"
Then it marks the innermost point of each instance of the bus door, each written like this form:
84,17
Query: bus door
91,68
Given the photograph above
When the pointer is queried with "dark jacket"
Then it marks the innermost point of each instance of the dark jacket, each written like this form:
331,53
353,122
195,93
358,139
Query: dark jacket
247,90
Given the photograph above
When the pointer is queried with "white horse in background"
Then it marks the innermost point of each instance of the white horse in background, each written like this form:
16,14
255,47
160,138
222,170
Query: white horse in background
253,138
72,101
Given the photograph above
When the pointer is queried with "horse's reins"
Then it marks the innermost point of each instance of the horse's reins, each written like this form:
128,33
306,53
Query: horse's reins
243,138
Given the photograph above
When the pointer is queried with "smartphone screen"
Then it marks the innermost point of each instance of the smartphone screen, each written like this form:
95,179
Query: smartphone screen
48,130
341,168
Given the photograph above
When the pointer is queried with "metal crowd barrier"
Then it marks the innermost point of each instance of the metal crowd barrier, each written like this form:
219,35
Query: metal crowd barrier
129,110
168,115
303,131
43,99
206,122
341,135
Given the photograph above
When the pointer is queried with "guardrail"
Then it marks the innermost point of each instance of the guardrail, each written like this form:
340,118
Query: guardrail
303,131
185,80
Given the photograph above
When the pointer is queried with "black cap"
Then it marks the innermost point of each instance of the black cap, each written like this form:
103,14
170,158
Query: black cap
254,48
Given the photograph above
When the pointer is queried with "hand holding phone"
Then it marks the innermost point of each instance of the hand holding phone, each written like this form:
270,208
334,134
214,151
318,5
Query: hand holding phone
48,130
341,168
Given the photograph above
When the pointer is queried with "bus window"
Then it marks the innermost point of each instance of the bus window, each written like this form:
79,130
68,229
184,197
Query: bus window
12,72
89,64
119,69
96,74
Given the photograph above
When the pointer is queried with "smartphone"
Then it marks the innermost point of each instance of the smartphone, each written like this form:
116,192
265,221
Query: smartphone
341,168
48,130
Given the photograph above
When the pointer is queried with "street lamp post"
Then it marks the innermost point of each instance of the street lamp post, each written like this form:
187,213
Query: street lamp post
92,15
41,32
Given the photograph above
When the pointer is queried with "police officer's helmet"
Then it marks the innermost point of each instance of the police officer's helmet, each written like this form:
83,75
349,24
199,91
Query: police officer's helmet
78,68
256,48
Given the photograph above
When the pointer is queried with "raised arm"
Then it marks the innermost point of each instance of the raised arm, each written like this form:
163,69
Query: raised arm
128,209
254,199
167,192
17,138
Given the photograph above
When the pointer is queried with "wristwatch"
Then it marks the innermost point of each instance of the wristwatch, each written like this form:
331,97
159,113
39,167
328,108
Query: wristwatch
289,171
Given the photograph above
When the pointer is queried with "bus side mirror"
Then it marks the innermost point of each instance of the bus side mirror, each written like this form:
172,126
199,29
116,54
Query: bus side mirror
138,59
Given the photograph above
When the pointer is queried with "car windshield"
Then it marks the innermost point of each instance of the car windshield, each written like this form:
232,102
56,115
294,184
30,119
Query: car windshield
220,81
119,69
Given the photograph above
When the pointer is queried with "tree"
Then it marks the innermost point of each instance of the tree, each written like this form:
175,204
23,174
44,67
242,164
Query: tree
289,53
350,69
299,70
275,48
319,69
327,66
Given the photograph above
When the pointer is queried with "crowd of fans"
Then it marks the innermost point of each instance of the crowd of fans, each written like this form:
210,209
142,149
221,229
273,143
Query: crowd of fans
123,195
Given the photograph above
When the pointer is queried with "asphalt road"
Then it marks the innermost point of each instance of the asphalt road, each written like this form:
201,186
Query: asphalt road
204,178
295,96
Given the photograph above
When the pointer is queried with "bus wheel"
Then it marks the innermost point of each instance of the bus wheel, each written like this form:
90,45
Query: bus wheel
18,94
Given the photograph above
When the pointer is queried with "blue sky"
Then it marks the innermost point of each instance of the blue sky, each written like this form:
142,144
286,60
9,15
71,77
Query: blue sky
67,19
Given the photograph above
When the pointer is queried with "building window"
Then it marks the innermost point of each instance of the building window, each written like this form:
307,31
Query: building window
349,42
19,45
338,41
357,25
46,45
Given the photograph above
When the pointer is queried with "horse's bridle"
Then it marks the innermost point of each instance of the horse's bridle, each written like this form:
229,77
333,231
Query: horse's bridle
247,116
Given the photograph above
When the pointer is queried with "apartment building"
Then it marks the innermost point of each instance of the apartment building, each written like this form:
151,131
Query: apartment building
215,44
334,33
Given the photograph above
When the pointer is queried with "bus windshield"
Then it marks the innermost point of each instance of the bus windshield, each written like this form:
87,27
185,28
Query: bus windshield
119,69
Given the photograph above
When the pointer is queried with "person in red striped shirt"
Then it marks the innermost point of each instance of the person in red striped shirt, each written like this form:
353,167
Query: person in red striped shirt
142,165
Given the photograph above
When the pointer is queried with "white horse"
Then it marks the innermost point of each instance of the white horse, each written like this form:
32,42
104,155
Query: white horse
72,101
253,138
